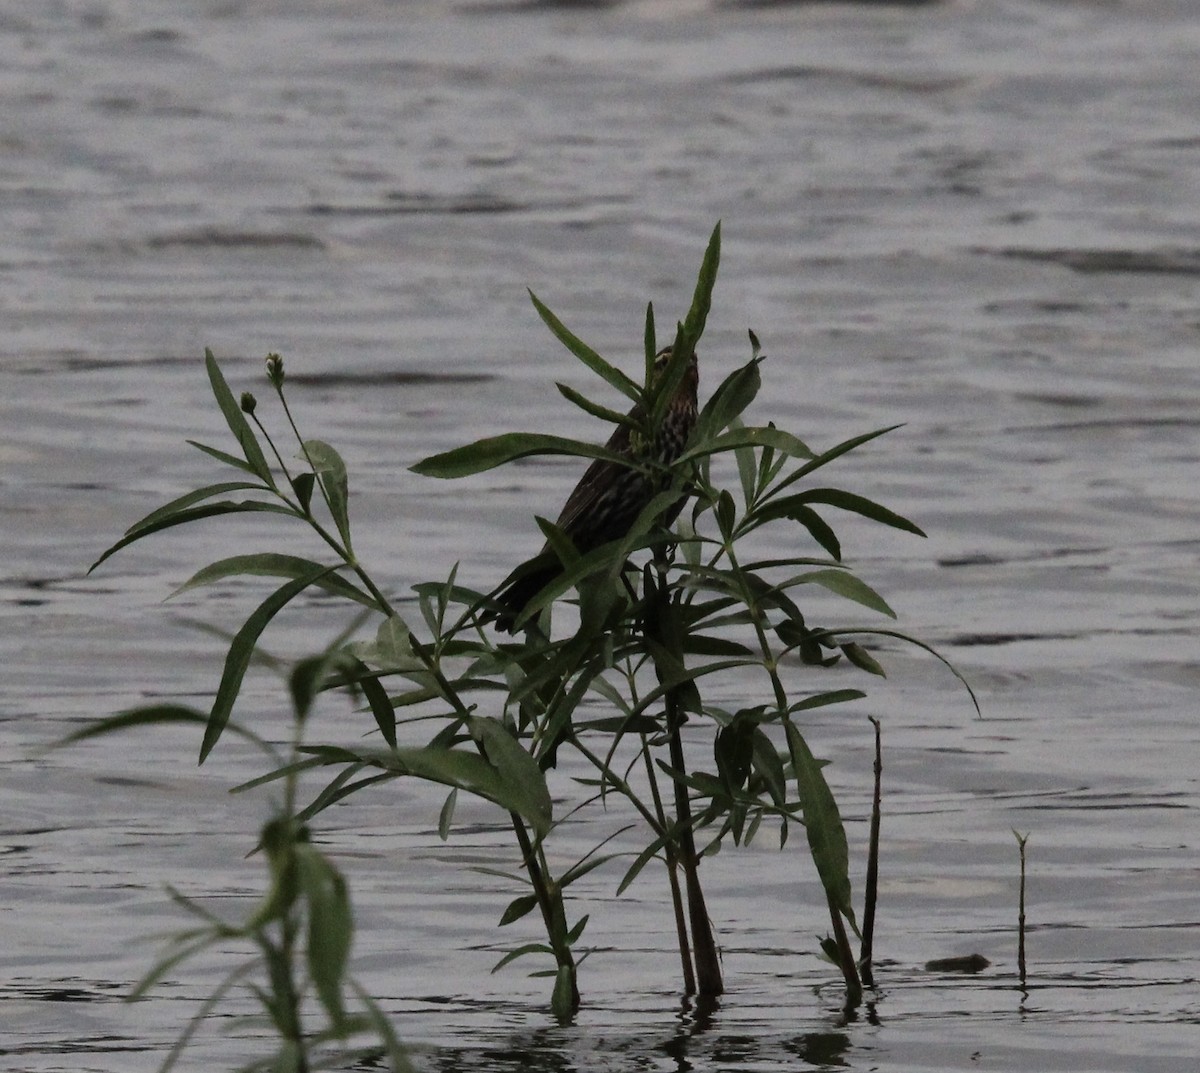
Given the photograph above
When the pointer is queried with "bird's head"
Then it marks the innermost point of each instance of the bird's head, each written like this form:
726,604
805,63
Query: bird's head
691,374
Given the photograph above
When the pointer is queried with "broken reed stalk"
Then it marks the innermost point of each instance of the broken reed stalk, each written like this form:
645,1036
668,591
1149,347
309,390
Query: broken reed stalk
1021,840
871,888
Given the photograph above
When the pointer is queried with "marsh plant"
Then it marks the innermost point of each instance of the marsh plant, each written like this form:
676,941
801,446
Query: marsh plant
618,650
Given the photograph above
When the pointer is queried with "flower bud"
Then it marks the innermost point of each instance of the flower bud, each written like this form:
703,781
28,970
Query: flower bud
275,370
248,402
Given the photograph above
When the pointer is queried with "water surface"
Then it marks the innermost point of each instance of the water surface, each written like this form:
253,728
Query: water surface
975,219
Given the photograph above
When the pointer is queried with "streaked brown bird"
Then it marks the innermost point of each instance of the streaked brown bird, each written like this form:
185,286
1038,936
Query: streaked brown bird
610,496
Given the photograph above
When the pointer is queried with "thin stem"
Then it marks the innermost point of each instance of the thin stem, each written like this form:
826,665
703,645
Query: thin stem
845,956
708,962
1021,840
871,888
274,450
672,861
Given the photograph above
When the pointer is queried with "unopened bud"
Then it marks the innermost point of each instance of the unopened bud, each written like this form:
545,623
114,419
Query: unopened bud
248,402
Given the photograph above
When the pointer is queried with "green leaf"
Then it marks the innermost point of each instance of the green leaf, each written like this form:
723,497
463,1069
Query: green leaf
241,649
518,907
821,700
818,530
731,398
650,340
697,317
222,456
207,492
528,793
522,951
643,859
585,353
822,823
330,927
497,450
835,497
843,583
274,564
377,699
446,816
192,514
768,765
863,659
834,452
759,436
157,715
331,472
726,513
594,408
302,485
236,420
459,768
747,466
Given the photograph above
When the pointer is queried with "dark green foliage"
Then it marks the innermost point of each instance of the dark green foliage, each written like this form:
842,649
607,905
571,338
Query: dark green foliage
661,612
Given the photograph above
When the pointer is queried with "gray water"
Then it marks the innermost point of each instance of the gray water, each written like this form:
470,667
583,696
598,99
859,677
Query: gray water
974,218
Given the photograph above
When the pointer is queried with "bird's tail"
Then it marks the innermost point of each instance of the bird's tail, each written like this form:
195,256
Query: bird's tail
521,586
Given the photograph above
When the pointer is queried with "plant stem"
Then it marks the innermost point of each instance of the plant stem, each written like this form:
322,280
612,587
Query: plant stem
708,962
550,902
672,856
845,956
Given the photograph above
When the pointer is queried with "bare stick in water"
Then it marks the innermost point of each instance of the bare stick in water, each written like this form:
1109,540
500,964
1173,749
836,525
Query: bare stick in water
1021,840
871,889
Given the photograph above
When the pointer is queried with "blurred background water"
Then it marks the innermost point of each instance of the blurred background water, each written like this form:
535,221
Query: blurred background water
977,218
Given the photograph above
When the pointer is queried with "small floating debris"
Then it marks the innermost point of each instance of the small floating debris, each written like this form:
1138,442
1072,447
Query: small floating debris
965,964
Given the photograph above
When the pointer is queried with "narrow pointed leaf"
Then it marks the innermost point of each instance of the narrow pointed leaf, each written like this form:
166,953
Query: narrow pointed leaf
835,497
518,908
863,659
731,398
331,472
588,407
585,353
236,420
330,927
446,816
697,317
240,652
821,700
846,584
377,699
192,514
643,859
200,494
156,715
760,436
223,456
522,951
649,339
822,823
274,564
834,452
497,450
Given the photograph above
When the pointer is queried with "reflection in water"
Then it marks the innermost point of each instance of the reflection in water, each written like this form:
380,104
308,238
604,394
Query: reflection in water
822,1049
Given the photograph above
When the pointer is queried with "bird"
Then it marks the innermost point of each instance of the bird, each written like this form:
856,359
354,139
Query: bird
610,495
